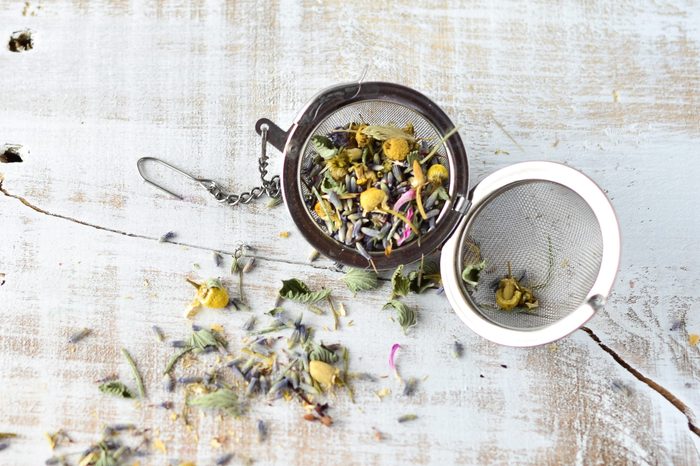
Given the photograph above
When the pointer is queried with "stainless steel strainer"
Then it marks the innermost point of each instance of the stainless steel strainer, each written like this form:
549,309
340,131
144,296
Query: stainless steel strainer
560,235
372,103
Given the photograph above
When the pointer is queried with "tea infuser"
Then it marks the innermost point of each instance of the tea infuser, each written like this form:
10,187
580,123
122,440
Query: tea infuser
550,222
557,230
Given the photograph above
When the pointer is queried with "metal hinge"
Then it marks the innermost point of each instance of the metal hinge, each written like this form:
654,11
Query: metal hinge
461,205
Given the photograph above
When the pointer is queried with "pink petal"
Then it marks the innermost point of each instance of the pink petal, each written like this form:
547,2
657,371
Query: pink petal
405,197
394,348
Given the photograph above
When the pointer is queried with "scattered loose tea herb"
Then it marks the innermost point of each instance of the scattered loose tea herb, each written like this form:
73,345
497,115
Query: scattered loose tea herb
313,255
57,438
224,460
409,386
211,294
223,399
79,335
115,388
167,237
7,435
457,349
158,333
405,316
400,284
274,202
262,431
218,258
360,280
407,417
135,372
296,290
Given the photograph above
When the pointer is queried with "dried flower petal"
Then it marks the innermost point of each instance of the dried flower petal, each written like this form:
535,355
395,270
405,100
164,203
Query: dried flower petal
394,348
323,373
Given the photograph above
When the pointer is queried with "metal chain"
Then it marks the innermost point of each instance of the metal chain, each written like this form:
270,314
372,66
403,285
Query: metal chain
270,187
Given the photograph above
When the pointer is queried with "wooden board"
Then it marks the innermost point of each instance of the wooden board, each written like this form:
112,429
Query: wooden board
611,88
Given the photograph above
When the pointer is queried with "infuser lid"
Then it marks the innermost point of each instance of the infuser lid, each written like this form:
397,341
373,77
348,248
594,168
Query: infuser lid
550,227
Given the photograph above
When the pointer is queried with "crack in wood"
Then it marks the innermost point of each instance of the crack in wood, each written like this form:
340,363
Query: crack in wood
149,238
670,397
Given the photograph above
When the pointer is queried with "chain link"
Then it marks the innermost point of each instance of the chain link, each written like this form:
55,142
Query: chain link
270,187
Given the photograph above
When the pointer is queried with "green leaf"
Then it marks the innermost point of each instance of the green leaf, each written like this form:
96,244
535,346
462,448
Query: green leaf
106,459
323,146
224,399
360,280
328,184
470,273
116,388
203,339
382,133
405,316
425,277
400,284
296,290
321,353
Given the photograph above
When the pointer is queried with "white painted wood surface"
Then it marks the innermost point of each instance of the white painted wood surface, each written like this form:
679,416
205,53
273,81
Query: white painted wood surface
611,88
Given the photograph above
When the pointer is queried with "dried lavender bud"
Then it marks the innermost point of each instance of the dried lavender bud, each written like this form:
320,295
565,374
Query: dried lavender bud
224,460
158,333
78,336
457,349
218,259
168,383
250,265
167,237
262,431
179,344
189,380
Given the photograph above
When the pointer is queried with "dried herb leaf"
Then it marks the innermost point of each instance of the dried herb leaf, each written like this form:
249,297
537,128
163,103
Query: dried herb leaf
175,359
224,399
360,280
323,146
382,133
321,353
405,316
203,339
296,290
425,277
470,273
135,372
400,284
116,388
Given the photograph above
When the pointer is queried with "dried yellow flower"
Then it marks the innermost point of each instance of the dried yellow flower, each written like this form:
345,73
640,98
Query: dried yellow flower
323,373
396,149
372,198
693,339
338,166
210,294
318,208
437,174
363,174
361,138
353,154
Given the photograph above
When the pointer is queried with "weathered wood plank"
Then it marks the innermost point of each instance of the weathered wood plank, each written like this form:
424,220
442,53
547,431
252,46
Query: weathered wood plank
608,88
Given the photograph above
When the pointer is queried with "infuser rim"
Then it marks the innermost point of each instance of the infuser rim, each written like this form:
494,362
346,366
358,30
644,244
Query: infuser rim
317,111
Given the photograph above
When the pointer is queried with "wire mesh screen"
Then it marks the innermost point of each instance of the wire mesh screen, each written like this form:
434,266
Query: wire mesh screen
371,112
553,242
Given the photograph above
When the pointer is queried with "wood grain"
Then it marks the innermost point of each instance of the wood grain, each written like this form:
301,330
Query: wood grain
608,87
